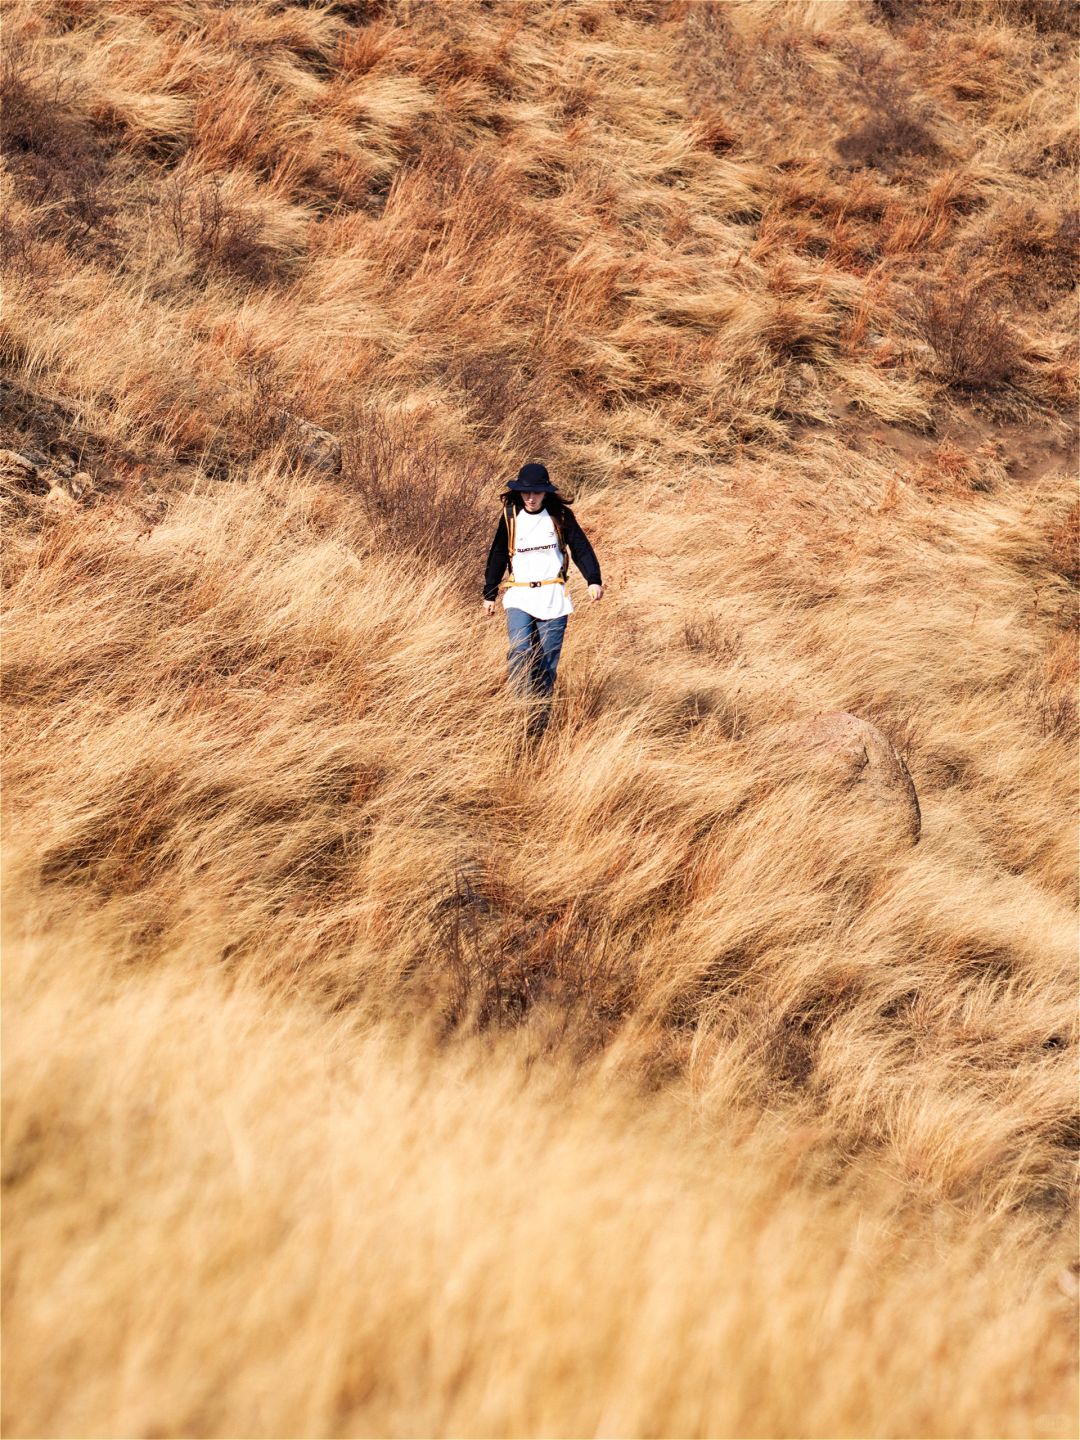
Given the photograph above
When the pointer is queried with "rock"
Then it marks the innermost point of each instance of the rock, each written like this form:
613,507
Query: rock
22,484
75,485
859,756
17,473
26,476
802,379
318,449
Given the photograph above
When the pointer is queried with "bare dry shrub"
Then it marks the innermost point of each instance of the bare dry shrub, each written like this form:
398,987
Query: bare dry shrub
897,124
505,400
58,164
217,235
421,502
1063,546
256,418
505,959
962,320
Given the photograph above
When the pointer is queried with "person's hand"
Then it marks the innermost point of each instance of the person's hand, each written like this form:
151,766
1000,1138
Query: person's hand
489,607
596,592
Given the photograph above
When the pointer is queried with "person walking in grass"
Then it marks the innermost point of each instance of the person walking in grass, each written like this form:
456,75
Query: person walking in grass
536,537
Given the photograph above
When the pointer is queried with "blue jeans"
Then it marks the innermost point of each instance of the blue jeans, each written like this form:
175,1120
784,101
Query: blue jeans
534,652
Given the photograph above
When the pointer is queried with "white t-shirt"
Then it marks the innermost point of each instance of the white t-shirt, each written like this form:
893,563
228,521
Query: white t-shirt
537,556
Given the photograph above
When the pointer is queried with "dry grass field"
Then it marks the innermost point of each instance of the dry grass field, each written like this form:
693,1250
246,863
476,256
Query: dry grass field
368,1071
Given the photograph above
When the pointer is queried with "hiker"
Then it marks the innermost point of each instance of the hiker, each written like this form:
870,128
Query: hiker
537,535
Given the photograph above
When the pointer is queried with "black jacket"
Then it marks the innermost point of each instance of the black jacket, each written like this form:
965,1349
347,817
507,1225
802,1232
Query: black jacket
577,543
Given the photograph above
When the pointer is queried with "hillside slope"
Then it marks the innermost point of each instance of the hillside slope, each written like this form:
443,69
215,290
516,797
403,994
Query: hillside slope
367,1071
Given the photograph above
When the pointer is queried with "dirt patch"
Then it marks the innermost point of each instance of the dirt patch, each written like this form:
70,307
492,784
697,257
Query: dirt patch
1029,451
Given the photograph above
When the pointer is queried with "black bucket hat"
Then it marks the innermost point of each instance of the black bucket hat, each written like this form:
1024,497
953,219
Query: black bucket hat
532,477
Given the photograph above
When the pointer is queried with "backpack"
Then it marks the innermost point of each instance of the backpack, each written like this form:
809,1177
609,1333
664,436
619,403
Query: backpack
510,516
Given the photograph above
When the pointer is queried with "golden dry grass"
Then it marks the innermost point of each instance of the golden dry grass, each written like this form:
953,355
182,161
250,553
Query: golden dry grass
367,1072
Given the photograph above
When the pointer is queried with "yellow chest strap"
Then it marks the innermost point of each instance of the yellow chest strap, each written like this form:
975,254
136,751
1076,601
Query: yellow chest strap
511,544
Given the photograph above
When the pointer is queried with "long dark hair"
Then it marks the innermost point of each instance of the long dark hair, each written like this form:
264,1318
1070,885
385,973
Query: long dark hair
554,502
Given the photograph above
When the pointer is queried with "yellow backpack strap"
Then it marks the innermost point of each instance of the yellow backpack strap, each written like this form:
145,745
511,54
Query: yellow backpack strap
510,515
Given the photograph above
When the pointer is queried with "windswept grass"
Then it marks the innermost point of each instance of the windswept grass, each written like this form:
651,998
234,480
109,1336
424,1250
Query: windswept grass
340,1230
368,1071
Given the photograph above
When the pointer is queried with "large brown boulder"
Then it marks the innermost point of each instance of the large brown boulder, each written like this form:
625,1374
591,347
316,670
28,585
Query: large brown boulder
859,757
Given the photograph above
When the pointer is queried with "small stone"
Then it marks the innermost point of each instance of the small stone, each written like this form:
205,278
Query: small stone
75,485
318,448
